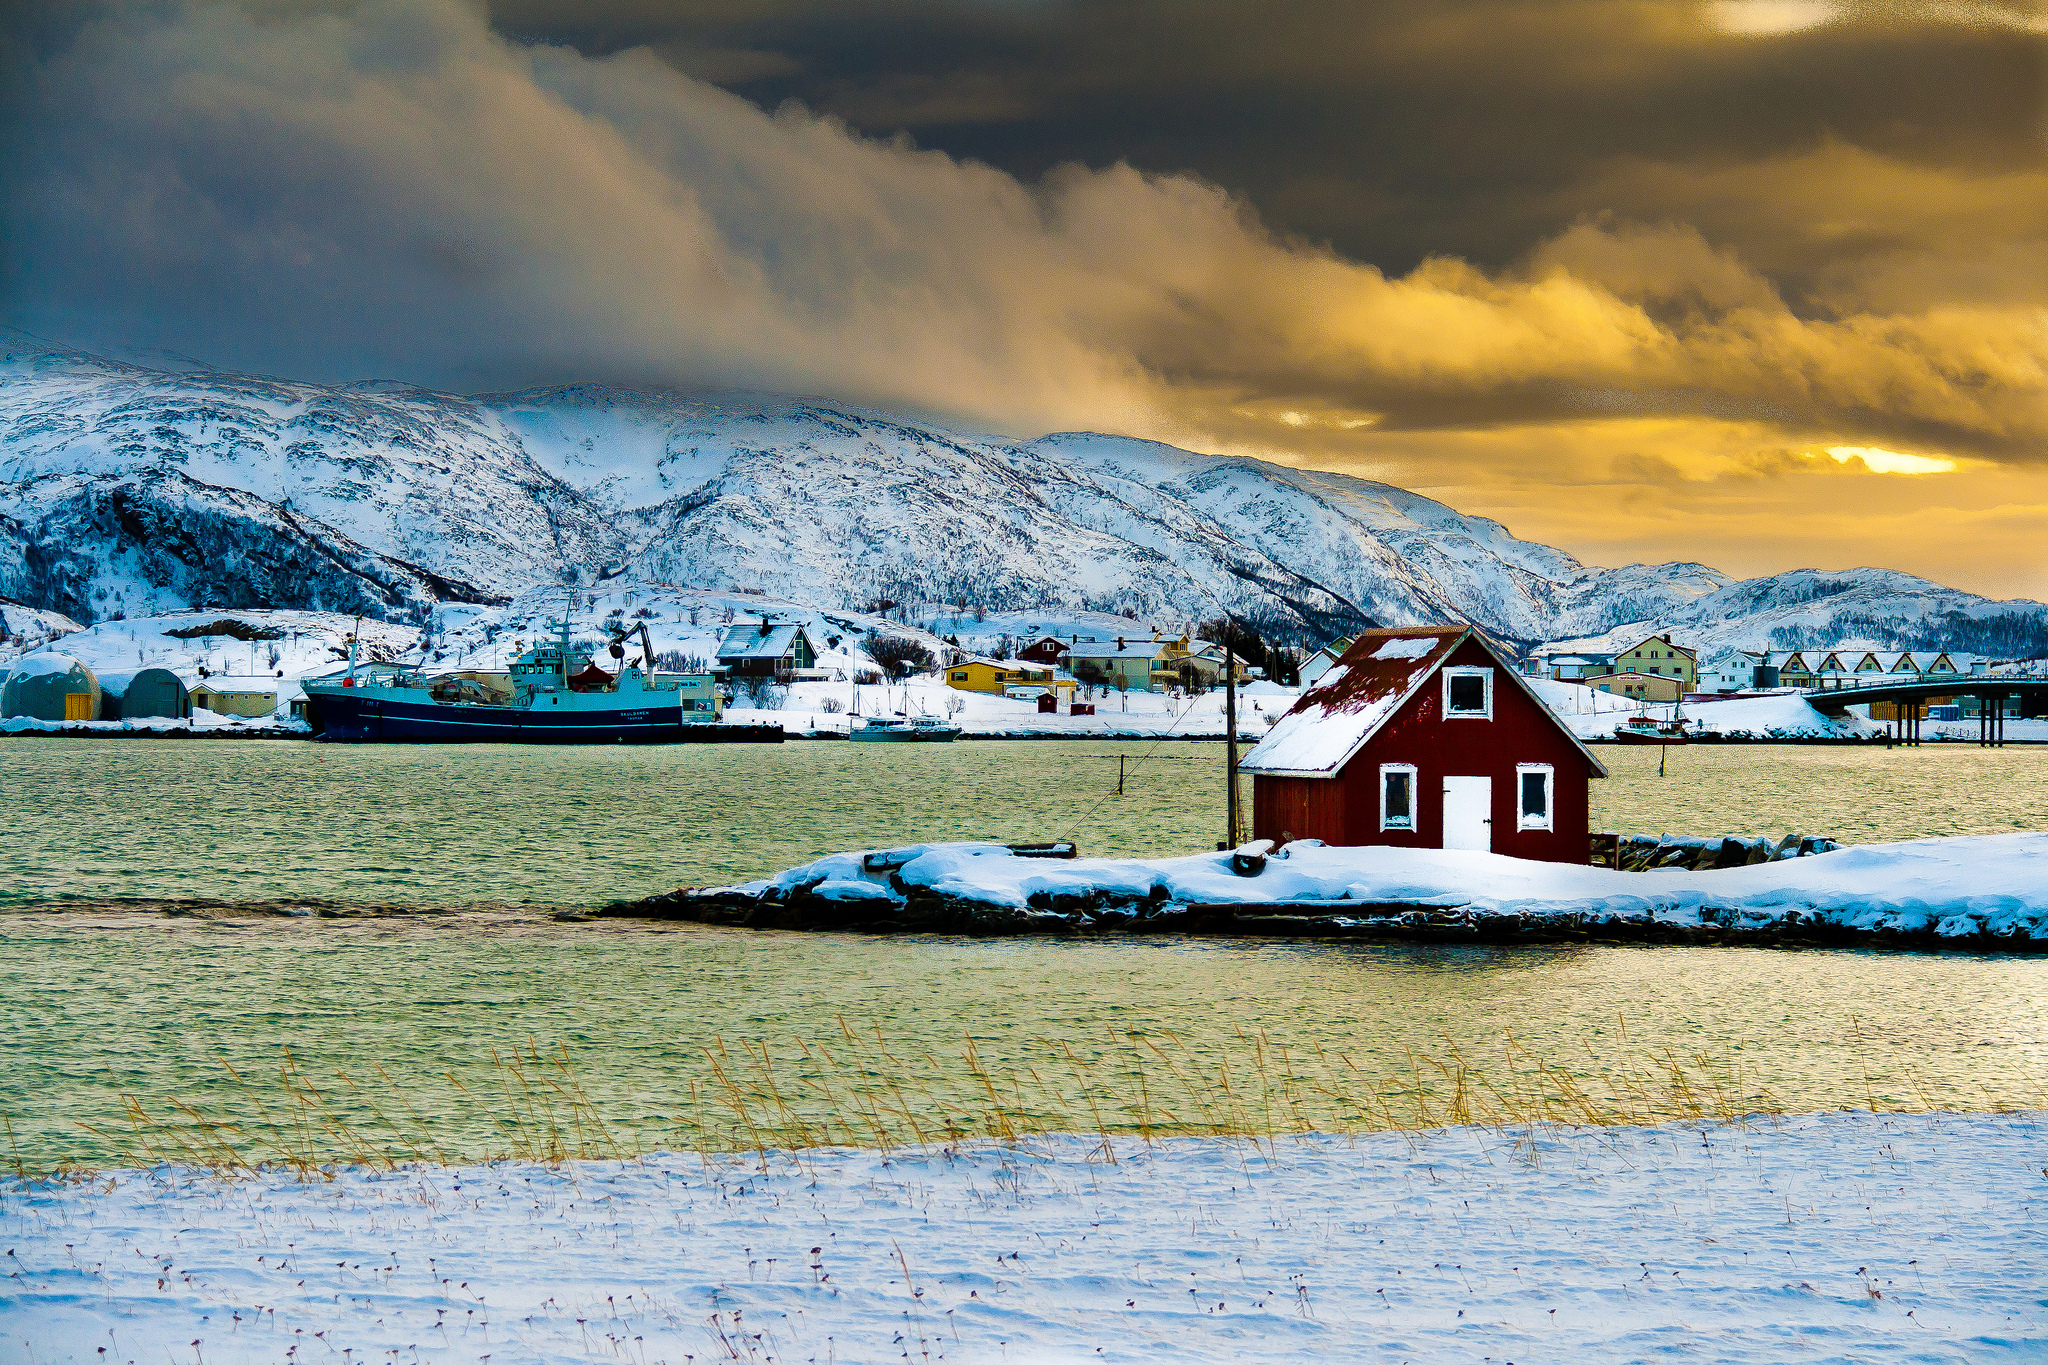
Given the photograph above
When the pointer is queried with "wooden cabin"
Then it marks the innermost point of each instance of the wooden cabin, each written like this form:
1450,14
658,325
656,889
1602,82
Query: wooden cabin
766,649
1424,738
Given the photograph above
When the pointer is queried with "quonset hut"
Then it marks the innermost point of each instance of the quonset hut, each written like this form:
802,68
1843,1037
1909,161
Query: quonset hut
1424,738
155,692
50,687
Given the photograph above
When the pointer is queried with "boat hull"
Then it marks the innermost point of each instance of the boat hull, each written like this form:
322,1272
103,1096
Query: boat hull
1638,737
359,717
905,736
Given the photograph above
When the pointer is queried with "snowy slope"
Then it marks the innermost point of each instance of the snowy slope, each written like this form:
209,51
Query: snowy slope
1864,608
128,491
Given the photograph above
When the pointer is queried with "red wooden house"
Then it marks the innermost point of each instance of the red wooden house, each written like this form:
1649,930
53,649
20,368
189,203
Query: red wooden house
1424,738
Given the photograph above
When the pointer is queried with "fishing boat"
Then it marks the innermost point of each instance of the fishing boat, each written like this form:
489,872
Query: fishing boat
899,730
1649,730
553,693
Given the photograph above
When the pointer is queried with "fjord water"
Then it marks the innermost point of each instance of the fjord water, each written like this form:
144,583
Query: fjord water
170,905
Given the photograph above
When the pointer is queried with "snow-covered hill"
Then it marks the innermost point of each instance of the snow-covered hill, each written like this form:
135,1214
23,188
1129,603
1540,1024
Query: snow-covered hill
1864,608
131,491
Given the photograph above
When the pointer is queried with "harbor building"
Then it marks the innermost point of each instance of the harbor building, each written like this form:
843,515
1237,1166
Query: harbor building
224,697
50,687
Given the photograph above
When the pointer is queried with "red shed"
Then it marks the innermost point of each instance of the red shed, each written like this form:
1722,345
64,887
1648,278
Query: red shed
1424,738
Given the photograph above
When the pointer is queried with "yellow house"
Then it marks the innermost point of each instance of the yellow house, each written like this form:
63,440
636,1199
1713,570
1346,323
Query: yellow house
1638,686
233,703
1659,658
997,675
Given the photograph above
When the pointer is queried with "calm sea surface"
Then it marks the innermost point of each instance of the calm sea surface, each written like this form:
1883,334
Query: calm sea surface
168,907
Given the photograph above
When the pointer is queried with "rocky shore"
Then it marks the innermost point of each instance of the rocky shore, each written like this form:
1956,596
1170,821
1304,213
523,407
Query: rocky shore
1973,894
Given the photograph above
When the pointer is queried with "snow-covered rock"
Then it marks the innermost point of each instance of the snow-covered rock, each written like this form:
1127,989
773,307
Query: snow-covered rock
1986,888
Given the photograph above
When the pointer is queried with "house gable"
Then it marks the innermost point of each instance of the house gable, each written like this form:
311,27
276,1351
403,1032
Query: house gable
1380,676
1394,785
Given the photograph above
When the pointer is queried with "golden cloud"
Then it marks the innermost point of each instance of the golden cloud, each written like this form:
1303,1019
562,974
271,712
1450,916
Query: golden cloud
392,183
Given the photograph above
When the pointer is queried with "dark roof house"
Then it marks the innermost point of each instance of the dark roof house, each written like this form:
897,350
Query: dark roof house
766,649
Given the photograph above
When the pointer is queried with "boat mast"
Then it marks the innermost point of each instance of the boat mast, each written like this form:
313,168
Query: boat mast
568,606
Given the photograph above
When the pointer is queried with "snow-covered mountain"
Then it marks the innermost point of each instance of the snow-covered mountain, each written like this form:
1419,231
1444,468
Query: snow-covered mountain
1860,608
130,490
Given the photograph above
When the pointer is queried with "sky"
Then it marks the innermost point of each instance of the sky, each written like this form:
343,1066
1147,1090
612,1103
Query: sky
1756,283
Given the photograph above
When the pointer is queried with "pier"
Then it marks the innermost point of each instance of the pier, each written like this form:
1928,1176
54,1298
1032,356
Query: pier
1991,695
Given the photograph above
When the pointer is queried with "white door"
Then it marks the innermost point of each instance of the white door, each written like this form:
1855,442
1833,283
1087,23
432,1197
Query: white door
1468,813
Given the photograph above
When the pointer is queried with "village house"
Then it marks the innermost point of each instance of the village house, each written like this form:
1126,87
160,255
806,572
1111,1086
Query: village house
999,677
1126,664
1830,669
1727,673
1660,658
1319,663
1639,686
766,649
1194,664
1424,738
1579,667
1050,650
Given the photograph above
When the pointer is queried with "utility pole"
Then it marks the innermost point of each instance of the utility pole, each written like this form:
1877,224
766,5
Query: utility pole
1230,737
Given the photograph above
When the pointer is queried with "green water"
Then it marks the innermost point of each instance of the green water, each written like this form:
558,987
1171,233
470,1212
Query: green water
445,826
103,994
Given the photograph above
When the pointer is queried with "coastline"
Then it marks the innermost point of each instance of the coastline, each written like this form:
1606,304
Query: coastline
115,730
1977,894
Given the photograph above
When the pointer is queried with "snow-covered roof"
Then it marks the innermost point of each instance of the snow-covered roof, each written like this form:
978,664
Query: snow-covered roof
1335,718
1008,665
1658,640
748,640
46,661
1373,680
1111,649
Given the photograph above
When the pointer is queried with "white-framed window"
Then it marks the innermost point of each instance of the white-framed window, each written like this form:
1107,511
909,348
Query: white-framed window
1535,788
1397,796
1468,694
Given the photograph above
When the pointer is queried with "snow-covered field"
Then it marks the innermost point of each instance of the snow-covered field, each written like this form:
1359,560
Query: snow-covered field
1955,888
1828,1237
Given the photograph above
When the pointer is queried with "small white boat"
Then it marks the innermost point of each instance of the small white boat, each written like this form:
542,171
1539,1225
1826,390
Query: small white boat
897,730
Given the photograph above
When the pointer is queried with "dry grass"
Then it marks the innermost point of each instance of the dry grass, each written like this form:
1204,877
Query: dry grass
854,1089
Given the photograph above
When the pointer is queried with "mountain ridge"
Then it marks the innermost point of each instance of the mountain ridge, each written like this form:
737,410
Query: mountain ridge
130,490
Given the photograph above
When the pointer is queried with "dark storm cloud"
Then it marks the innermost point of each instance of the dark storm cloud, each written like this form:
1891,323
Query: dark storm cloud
1392,129
1534,257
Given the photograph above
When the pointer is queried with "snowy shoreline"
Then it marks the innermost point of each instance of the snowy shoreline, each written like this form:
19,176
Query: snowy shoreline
1982,893
1851,1235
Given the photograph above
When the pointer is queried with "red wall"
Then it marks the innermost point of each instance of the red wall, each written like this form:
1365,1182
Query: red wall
1345,809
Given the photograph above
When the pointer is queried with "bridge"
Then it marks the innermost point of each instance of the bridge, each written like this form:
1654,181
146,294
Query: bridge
1990,690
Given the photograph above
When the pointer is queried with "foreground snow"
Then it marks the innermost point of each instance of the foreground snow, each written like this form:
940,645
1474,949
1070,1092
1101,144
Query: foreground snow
1955,888
1846,1236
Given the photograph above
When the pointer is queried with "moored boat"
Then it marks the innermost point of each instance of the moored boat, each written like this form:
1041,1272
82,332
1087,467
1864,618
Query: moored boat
1644,730
553,693
899,730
